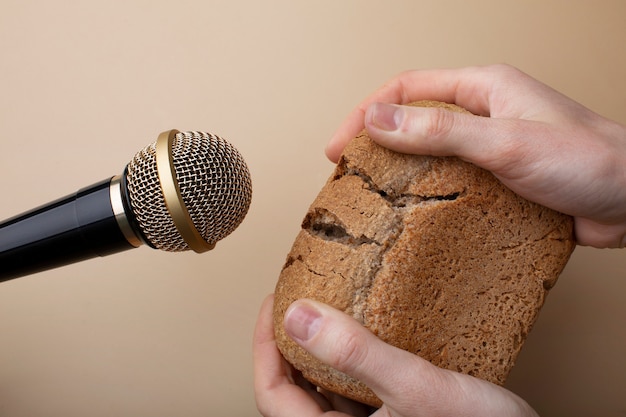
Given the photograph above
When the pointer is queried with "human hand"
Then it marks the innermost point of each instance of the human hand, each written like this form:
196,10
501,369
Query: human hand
541,144
408,385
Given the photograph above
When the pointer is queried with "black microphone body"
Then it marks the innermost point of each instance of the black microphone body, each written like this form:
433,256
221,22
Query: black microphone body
71,229
186,191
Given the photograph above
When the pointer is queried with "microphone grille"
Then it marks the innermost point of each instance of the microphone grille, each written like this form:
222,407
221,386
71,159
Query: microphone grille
215,187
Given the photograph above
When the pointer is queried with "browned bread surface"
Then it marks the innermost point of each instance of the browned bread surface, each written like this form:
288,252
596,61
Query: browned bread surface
433,255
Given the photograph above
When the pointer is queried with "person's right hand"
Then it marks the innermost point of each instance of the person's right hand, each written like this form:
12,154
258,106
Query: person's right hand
541,144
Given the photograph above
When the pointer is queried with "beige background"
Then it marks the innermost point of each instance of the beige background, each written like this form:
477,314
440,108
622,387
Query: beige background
84,85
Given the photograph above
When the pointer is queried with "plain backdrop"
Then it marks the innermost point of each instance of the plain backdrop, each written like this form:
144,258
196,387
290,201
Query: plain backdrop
86,84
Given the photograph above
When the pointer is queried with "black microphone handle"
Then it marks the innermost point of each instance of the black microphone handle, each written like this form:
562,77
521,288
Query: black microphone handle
74,228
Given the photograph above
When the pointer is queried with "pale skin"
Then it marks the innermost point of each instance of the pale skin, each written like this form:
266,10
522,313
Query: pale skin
539,143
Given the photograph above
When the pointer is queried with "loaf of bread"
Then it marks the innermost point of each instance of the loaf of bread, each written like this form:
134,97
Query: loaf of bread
432,254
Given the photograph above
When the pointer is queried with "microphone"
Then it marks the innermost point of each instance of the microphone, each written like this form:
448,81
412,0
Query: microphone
185,191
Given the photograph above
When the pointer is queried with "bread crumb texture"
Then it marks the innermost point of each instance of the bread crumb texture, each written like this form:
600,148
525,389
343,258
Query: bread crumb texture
433,255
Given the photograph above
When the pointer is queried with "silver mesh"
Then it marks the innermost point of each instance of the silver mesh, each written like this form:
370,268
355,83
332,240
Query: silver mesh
214,183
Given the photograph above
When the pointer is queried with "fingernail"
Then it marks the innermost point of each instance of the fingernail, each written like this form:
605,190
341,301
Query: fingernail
302,322
386,116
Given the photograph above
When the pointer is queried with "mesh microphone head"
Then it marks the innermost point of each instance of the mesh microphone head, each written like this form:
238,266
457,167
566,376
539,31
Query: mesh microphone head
214,183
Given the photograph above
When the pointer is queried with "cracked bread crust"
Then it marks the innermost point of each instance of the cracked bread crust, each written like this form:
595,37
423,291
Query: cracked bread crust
433,255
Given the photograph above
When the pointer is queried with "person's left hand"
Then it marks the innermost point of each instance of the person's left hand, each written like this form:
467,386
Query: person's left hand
408,385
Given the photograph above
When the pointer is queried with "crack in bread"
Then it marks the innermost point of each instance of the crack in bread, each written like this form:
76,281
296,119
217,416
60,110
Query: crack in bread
327,225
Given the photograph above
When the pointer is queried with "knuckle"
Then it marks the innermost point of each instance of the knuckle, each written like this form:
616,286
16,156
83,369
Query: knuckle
350,352
502,67
397,88
439,124
504,77
503,70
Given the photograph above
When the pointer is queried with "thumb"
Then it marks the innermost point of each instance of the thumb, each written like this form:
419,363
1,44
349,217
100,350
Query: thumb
393,374
487,142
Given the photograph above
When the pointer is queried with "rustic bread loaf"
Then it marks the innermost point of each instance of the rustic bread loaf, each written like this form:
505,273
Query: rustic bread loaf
433,255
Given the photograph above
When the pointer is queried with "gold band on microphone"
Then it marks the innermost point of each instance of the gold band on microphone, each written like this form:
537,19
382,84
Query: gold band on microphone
172,196
115,193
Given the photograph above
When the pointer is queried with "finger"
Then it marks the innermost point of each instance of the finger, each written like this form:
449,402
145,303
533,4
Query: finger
312,390
467,87
591,233
275,392
344,344
269,369
345,405
493,144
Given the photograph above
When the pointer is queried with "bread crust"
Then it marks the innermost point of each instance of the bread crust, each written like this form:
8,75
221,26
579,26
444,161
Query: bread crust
432,254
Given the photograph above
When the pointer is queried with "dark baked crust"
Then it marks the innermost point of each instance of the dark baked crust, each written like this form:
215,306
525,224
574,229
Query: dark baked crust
433,255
